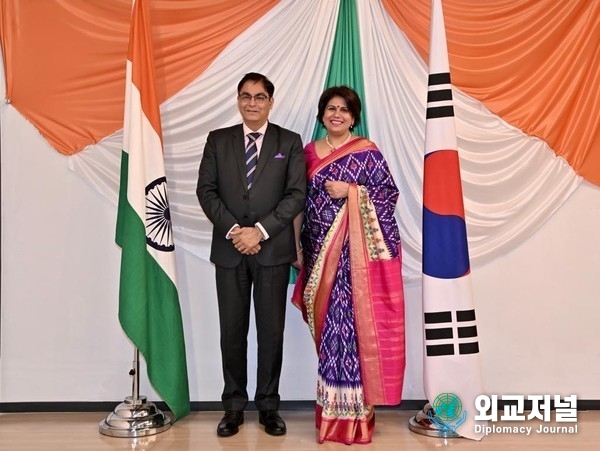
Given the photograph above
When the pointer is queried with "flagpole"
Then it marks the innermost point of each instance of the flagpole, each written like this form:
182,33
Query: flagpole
149,309
135,416
135,372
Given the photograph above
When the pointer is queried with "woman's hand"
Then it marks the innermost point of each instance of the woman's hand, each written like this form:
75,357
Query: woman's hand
336,189
299,260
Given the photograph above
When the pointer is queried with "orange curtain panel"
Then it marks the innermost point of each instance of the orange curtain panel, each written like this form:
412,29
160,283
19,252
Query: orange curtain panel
65,60
532,62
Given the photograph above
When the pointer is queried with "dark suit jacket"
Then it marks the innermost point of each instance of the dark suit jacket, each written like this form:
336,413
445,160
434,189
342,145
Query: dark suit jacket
277,195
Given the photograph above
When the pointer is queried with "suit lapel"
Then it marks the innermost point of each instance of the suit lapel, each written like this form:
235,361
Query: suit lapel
269,147
239,150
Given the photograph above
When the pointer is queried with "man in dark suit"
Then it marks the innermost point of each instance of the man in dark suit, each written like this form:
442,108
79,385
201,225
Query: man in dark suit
252,204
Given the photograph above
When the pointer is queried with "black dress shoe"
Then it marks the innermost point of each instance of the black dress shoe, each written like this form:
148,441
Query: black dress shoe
273,423
230,424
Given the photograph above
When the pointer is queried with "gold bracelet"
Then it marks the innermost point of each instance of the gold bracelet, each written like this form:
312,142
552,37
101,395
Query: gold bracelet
299,252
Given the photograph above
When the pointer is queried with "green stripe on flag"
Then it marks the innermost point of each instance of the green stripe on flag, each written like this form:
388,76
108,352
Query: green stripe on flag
149,309
345,67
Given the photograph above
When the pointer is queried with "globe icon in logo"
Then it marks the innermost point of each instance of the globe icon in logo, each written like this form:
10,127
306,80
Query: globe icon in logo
447,406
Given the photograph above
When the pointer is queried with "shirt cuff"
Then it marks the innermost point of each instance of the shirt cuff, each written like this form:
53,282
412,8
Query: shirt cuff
228,236
262,230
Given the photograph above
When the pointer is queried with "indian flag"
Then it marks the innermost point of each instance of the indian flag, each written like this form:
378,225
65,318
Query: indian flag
149,309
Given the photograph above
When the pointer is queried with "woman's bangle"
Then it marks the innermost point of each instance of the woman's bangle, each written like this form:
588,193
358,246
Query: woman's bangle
299,252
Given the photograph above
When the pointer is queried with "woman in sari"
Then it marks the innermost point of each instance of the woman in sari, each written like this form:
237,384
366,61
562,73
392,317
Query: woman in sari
350,285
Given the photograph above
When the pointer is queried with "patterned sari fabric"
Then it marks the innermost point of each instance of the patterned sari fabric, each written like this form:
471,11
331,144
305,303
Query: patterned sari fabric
350,290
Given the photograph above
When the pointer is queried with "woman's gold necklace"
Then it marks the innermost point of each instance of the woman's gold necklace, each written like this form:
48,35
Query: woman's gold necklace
333,148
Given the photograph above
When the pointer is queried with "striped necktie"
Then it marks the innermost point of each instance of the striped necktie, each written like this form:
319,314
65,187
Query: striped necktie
251,156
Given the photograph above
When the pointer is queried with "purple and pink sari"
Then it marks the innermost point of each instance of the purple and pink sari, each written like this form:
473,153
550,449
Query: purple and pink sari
350,290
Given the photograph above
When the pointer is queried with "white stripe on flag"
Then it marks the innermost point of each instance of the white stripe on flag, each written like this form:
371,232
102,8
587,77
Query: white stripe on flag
145,165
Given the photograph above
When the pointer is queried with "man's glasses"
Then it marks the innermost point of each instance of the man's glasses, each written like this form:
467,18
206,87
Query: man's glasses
258,98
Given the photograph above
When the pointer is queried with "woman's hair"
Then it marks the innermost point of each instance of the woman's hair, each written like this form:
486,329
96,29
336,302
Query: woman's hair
346,93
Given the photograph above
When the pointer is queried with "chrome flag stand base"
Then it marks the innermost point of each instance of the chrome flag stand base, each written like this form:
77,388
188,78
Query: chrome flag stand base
136,416
422,424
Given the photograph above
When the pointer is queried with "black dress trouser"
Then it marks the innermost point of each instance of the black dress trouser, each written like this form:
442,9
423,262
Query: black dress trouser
234,288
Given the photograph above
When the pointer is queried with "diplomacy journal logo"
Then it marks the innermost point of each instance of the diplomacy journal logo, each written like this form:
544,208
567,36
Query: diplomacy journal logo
515,417
448,414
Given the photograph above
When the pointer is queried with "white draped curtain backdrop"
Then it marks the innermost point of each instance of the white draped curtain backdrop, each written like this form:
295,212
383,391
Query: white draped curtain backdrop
512,182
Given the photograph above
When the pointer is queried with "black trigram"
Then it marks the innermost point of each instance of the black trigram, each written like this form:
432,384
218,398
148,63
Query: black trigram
442,335
439,96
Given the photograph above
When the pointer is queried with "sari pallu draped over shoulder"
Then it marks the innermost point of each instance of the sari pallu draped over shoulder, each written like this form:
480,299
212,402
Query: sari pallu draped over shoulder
376,279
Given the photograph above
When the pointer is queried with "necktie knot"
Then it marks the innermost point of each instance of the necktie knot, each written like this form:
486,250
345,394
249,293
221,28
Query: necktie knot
253,136
251,156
